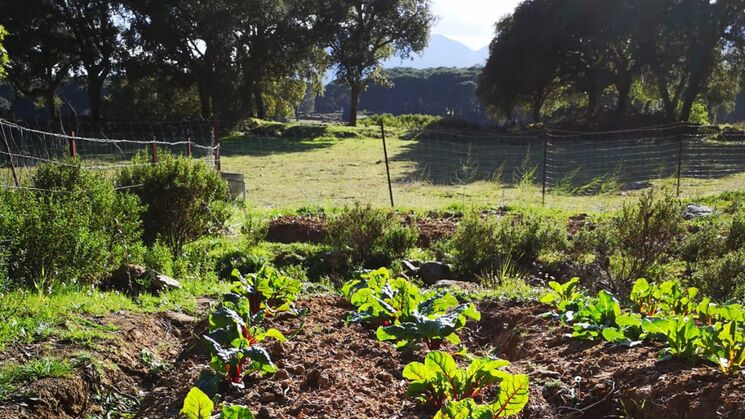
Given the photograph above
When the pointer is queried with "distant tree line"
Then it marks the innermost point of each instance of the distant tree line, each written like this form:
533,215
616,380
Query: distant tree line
219,58
596,60
448,92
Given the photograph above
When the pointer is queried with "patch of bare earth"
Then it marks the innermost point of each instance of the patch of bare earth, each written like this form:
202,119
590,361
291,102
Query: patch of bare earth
110,376
577,379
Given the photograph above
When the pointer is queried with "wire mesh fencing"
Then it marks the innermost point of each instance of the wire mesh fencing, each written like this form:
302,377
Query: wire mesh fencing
105,147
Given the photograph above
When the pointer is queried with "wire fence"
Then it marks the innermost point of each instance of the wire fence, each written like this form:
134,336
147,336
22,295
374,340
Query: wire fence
432,168
104,147
320,164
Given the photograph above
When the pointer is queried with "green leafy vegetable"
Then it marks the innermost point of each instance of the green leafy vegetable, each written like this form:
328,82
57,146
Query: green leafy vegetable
197,405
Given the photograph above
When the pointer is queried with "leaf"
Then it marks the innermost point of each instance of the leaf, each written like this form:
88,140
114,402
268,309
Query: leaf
513,395
276,334
416,371
197,405
463,409
236,412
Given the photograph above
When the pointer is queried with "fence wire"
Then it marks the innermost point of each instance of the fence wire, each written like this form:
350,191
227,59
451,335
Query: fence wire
105,147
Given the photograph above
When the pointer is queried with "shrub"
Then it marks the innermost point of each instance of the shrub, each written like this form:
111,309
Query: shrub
158,258
184,198
78,233
481,245
723,278
363,232
644,233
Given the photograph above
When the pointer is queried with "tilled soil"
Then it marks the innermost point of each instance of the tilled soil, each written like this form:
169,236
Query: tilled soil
334,370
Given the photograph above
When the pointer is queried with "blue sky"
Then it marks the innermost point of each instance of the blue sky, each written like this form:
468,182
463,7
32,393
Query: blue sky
470,21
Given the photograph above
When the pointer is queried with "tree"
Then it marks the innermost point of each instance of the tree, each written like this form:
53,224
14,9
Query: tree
279,40
40,48
370,31
95,31
3,53
193,39
524,64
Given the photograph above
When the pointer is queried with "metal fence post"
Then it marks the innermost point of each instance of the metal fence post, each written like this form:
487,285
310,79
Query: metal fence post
681,134
73,146
545,163
387,166
216,144
188,147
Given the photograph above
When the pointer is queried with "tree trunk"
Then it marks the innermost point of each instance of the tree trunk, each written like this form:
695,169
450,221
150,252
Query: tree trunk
95,85
259,100
624,91
354,103
204,101
51,105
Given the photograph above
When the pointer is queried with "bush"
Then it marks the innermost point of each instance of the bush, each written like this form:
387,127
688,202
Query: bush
644,234
480,245
723,278
76,234
159,258
185,199
363,232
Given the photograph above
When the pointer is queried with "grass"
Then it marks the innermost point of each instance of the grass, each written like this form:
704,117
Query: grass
13,375
333,166
28,317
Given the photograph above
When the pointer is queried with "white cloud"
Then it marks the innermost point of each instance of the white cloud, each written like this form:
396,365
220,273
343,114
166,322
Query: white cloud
470,21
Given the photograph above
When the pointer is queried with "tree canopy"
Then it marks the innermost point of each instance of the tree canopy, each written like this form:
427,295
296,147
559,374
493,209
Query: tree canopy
599,59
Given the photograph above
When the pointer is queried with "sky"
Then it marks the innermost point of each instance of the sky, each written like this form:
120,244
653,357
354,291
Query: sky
470,21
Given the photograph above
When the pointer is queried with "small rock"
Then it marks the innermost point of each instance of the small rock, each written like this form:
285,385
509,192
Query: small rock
282,375
299,370
692,211
431,272
180,317
312,377
124,277
324,381
446,283
384,377
267,397
635,186
160,282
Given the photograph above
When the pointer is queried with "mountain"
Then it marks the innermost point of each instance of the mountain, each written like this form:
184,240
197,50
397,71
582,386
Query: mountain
442,52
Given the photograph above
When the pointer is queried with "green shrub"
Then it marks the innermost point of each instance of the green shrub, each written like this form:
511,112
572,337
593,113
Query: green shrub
482,245
363,232
644,234
723,278
399,239
704,243
76,234
159,258
408,121
185,199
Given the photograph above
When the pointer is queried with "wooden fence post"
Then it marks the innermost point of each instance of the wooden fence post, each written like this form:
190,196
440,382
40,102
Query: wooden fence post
387,166
188,147
12,164
73,145
154,151
681,134
216,144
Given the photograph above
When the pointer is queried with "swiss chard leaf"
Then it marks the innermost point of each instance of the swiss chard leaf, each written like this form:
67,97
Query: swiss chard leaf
197,405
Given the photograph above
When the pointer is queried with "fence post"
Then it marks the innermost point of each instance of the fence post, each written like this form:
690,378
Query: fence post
12,164
188,147
73,146
545,164
387,167
216,144
153,151
681,134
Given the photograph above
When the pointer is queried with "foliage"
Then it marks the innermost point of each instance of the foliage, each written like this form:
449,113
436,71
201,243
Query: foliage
481,244
439,382
3,53
367,32
643,234
268,289
184,198
363,232
12,375
75,228
562,296
405,314
197,405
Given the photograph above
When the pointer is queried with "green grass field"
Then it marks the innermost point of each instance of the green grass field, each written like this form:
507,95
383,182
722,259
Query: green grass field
334,166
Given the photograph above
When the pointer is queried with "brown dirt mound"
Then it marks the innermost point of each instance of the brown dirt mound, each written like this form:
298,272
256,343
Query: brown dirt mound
117,380
572,378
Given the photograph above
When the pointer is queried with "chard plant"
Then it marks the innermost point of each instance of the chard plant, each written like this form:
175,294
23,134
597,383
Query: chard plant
404,313
198,405
438,382
667,298
268,289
